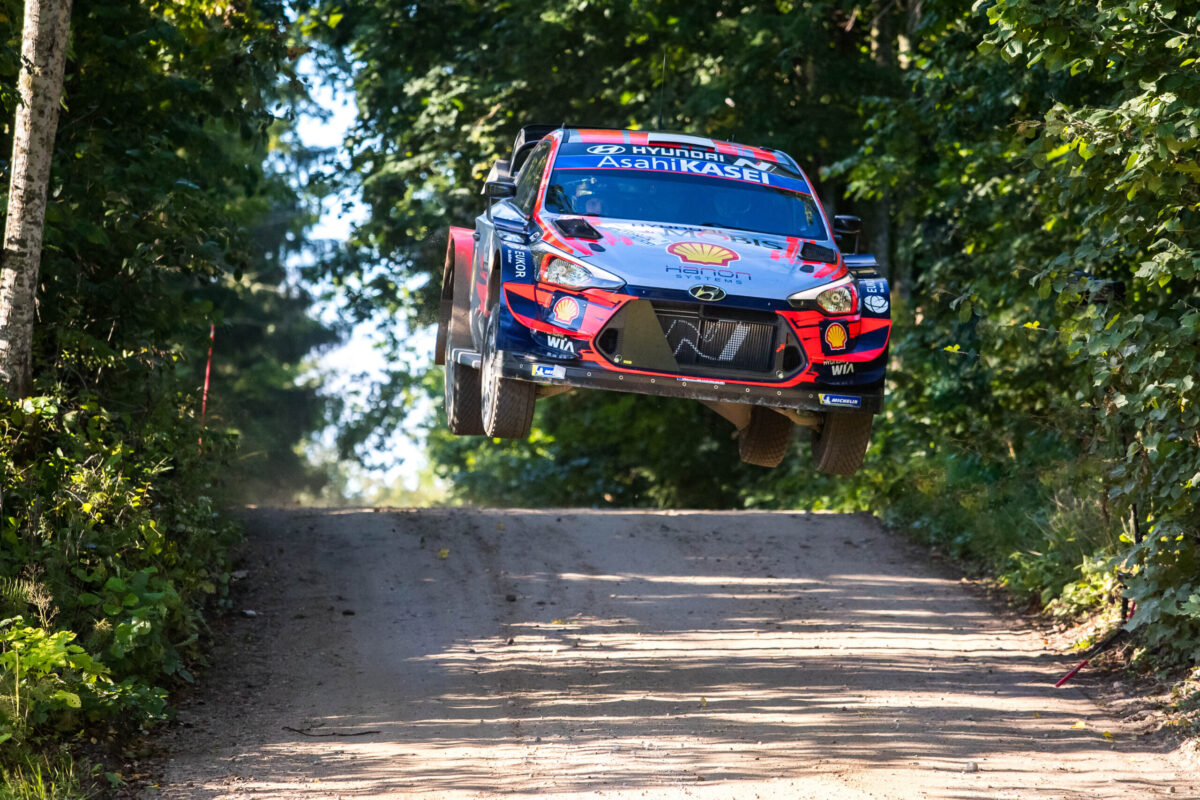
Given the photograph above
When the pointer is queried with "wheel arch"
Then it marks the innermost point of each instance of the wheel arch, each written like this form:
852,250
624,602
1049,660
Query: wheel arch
456,275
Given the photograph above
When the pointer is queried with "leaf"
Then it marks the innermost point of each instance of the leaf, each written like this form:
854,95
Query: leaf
1080,725
444,553
1191,606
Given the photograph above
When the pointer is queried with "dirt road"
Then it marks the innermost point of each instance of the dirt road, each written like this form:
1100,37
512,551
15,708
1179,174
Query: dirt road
477,654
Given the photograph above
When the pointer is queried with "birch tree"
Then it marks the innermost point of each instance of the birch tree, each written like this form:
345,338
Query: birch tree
47,26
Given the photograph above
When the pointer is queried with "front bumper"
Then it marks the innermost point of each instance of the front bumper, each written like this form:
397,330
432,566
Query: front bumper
808,399
583,351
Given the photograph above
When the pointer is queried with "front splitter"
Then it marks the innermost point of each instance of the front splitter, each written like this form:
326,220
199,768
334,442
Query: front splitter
811,399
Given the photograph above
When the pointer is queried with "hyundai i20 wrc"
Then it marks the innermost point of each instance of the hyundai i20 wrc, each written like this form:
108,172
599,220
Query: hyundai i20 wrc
665,264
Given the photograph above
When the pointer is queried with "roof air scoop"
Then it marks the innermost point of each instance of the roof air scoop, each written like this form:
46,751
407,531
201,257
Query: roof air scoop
815,252
577,228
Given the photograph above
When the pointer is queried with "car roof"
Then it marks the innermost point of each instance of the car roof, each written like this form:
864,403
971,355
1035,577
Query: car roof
674,139
530,135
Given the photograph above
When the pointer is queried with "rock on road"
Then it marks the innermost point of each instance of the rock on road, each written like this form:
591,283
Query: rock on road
459,653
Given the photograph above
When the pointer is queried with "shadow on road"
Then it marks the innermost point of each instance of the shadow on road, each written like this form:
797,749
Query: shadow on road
560,653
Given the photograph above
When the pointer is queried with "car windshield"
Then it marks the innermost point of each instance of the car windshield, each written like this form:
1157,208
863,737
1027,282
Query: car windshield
683,199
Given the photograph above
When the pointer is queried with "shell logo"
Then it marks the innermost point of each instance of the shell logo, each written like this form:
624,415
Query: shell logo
702,253
835,336
566,310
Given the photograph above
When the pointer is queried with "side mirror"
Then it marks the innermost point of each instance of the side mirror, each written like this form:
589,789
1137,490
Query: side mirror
500,189
497,190
846,230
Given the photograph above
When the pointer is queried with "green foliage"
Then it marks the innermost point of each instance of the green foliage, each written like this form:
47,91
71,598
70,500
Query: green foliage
1070,166
48,678
42,669
118,549
168,213
48,777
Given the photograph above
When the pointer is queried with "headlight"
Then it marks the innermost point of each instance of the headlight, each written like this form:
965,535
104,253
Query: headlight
564,273
576,276
839,300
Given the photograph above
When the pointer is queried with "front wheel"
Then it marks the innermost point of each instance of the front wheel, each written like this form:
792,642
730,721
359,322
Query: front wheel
838,448
507,404
764,441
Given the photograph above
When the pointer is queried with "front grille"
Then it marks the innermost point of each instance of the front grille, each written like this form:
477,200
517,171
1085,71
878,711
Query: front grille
704,342
692,339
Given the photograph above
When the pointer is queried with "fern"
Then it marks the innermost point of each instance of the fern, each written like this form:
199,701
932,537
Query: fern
17,594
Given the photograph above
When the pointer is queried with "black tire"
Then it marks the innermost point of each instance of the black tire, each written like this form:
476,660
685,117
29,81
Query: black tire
764,442
838,448
507,404
462,397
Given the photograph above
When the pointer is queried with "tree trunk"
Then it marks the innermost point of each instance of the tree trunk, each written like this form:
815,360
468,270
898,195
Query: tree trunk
43,54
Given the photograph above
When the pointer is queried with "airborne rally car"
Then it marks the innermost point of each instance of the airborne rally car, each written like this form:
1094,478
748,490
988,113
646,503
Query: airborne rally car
665,264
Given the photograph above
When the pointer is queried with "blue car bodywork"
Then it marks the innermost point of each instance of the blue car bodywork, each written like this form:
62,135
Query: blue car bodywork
666,264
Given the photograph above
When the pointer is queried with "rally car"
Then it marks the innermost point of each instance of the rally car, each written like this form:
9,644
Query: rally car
666,264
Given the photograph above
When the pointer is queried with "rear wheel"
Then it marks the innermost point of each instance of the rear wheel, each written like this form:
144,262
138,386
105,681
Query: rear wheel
838,448
507,404
764,442
462,397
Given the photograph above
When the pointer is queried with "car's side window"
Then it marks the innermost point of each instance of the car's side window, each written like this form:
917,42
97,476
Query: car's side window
531,177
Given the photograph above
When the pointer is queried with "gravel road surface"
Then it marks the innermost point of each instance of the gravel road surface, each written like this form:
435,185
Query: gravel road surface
461,653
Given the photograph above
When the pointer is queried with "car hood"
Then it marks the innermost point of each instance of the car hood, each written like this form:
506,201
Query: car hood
667,256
